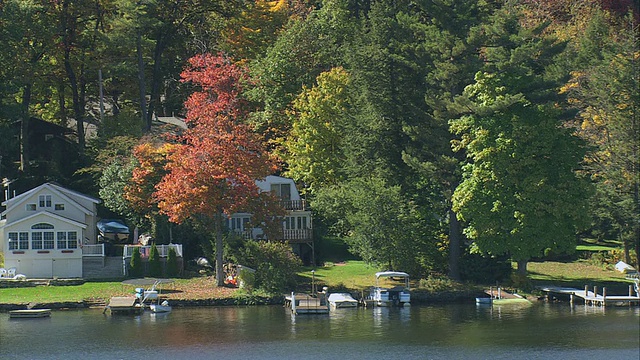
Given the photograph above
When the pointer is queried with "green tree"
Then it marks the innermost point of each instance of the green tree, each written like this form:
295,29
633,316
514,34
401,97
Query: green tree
155,266
379,224
172,263
314,149
607,91
520,193
136,267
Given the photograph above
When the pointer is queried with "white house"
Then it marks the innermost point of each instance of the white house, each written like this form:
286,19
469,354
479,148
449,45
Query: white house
297,226
42,231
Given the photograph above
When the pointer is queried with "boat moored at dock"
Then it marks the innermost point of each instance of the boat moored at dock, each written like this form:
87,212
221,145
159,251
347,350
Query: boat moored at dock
395,296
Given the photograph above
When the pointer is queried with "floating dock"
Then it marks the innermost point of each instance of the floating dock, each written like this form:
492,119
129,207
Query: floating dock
305,304
593,298
127,305
501,297
29,313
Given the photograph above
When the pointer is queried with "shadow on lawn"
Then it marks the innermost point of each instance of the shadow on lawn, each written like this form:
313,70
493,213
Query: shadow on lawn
613,285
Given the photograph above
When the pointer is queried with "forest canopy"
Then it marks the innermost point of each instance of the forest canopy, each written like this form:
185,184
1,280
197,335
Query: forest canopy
419,131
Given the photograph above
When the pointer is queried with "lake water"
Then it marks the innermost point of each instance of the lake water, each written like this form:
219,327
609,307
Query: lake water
542,331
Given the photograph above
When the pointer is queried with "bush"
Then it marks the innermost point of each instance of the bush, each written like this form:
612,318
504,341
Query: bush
276,265
135,265
172,263
436,284
155,266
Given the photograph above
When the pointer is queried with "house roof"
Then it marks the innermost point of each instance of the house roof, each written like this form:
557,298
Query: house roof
49,214
54,188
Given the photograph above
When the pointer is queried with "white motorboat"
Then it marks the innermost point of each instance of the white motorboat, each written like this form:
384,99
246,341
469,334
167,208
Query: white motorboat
163,307
395,296
342,300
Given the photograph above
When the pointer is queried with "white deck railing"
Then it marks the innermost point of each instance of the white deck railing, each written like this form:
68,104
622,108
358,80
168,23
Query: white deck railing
93,250
163,250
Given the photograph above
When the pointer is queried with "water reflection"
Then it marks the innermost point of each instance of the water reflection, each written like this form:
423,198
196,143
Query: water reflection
272,332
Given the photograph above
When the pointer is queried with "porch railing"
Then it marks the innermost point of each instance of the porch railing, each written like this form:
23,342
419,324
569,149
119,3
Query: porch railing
163,250
294,204
96,250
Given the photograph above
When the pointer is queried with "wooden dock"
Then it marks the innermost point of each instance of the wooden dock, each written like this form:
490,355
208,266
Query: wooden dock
305,304
593,297
29,313
124,305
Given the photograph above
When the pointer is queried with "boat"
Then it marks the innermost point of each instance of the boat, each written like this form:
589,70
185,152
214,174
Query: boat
29,313
163,307
113,229
484,300
395,296
342,300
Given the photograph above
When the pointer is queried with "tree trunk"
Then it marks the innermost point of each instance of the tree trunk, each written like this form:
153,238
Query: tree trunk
522,267
454,246
219,250
24,130
141,83
156,79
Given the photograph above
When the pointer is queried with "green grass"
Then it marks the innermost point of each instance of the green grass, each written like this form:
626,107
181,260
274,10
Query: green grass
594,248
576,274
48,294
352,274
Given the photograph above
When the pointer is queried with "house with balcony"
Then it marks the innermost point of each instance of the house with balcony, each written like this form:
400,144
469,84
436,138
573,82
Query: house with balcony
43,231
297,225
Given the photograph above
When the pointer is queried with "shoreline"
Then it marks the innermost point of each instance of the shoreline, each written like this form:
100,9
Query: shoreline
417,298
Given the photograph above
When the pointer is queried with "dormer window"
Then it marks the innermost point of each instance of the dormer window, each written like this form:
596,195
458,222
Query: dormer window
282,191
44,201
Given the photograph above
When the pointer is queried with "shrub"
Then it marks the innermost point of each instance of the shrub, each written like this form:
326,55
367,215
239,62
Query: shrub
155,266
276,265
135,265
172,263
437,284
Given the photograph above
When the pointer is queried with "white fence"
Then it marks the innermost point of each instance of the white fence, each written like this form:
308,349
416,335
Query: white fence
163,250
93,250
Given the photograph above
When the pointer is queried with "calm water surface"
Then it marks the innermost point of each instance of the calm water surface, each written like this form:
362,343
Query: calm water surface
543,331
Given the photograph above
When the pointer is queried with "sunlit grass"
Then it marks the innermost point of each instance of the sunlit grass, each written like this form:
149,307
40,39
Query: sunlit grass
352,274
576,274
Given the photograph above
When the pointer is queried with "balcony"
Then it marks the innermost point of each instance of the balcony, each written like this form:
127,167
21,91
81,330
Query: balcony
294,205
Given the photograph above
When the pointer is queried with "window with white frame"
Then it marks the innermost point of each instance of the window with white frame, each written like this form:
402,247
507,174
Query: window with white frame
59,207
48,240
30,207
44,201
13,240
295,222
36,240
67,240
40,237
72,240
23,240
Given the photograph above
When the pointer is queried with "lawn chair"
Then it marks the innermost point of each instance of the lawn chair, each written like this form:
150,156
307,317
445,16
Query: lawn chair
3,273
11,273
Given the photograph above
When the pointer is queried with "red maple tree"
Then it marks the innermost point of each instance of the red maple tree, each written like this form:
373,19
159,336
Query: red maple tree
212,172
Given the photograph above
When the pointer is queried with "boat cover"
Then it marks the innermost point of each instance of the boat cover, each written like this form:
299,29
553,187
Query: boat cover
112,226
391,274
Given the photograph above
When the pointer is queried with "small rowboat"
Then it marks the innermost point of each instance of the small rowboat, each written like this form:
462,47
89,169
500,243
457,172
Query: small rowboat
29,313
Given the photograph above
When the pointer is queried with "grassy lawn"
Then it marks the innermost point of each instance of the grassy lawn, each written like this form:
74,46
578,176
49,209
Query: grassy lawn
576,274
189,289
353,275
